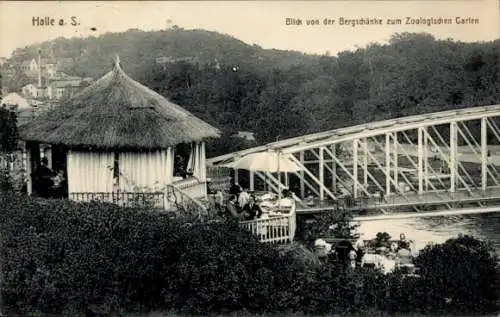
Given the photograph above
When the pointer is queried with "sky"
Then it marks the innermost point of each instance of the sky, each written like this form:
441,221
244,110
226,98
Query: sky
254,22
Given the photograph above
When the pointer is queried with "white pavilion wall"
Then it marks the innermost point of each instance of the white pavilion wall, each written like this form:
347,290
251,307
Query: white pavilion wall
90,172
145,171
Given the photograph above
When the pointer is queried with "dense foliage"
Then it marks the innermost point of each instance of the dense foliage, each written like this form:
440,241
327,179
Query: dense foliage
279,94
312,227
461,275
9,134
59,256
70,258
9,141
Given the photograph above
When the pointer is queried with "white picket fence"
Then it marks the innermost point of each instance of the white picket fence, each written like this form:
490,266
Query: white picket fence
277,229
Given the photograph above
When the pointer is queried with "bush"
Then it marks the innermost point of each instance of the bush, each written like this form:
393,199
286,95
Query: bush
312,227
226,269
6,181
460,276
60,255
66,258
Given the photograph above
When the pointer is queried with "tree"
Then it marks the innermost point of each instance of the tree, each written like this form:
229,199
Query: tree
461,274
336,223
9,135
14,78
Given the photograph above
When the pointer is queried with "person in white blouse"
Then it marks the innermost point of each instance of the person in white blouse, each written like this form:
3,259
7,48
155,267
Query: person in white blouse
243,198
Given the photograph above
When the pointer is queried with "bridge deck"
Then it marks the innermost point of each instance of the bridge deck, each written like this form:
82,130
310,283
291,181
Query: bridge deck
440,213
410,199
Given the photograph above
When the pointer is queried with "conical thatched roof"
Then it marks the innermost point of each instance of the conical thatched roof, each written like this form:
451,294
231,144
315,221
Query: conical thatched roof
117,112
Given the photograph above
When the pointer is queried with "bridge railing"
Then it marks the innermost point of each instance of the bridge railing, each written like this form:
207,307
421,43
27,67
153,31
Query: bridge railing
410,199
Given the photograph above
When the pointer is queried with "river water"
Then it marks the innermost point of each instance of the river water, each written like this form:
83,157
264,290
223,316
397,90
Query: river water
437,229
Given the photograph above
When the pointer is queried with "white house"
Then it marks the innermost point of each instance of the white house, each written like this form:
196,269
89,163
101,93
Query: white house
29,66
14,99
245,135
34,91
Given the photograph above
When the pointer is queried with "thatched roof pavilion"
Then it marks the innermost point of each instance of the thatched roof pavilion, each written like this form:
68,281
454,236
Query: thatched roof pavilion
117,126
116,112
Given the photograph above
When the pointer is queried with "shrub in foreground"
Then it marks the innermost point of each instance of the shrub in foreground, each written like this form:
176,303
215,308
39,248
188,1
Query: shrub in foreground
460,275
60,254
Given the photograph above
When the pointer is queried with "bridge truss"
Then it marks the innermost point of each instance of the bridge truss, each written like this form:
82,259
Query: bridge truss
440,159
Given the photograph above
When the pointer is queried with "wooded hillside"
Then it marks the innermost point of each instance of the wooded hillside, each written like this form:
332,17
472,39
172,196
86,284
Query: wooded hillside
279,94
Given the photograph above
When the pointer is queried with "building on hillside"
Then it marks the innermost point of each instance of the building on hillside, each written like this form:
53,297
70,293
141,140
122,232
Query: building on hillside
3,61
64,88
29,66
63,76
245,135
162,60
35,91
46,67
49,70
15,100
30,90
118,137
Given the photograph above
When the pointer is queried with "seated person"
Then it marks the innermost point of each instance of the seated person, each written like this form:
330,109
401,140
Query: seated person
252,210
403,243
43,182
232,208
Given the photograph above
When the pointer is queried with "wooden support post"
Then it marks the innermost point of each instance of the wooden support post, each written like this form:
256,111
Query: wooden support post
302,184
484,153
355,167
426,158
395,160
365,163
387,164
29,185
421,136
453,156
334,170
321,173
252,180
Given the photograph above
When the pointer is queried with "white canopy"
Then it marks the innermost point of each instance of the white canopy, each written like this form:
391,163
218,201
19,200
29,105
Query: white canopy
265,162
